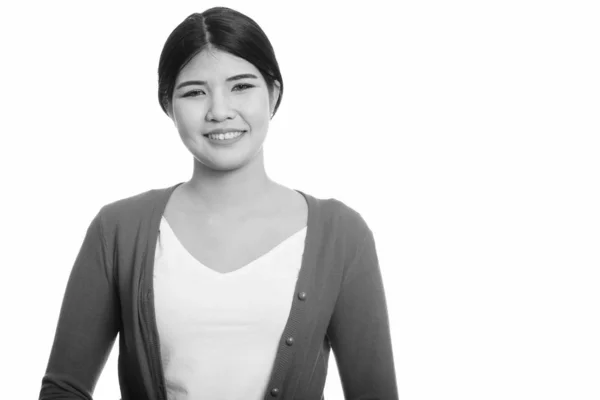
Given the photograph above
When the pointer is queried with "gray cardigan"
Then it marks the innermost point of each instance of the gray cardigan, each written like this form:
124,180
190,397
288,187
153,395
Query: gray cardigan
339,303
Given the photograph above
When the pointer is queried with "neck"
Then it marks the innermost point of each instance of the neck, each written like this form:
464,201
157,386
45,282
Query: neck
230,193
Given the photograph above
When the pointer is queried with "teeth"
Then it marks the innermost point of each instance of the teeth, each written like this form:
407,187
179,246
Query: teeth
224,136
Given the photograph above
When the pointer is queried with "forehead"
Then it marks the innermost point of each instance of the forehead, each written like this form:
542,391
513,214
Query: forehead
215,65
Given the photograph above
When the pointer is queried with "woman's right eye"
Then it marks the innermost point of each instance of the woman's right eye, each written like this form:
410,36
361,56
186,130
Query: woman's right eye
193,93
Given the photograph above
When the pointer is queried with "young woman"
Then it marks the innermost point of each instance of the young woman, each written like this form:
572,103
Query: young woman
230,285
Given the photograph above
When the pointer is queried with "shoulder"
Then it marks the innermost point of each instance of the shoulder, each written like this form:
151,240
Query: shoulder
348,230
343,219
134,208
354,226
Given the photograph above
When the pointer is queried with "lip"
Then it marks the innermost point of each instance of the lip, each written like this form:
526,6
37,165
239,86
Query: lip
226,141
217,131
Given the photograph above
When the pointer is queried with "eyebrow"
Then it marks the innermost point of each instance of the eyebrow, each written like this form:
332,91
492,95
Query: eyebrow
231,78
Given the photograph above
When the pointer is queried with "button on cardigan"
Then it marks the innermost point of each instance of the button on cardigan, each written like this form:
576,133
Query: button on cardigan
338,303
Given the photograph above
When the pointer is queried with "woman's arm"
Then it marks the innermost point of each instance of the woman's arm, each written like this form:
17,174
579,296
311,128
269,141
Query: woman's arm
88,322
359,329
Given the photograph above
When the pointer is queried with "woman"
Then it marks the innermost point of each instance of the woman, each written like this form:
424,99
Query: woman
229,285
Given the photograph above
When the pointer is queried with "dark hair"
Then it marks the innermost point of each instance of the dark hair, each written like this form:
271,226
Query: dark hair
224,29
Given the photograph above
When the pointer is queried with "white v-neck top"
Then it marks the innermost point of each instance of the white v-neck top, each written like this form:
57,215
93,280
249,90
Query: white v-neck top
219,333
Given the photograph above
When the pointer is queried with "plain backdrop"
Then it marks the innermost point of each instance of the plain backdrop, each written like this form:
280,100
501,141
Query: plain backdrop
466,133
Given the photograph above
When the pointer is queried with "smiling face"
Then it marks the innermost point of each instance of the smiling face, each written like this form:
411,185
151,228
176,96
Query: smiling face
217,90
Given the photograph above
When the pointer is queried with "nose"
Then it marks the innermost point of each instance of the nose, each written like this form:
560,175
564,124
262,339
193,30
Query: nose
219,108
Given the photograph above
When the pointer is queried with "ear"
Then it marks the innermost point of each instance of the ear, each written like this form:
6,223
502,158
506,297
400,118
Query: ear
274,96
170,113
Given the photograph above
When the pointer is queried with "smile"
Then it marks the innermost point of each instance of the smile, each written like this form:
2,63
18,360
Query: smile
225,138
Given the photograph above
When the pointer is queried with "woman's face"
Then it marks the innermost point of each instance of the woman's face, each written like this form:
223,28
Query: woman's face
217,90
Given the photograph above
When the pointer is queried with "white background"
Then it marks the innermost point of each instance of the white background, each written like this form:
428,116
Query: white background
466,133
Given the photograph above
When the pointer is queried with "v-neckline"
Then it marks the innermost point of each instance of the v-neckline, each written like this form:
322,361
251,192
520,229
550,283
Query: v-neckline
302,296
269,253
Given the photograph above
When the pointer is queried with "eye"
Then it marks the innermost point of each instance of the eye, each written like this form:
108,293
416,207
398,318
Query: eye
193,93
243,86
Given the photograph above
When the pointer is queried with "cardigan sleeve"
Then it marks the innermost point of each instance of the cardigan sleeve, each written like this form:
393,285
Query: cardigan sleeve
359,329
88,323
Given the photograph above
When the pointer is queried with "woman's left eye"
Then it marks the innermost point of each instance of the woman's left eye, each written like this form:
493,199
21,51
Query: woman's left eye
242,86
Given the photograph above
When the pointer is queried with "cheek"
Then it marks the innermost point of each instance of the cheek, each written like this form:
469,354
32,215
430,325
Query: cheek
188,115
257,108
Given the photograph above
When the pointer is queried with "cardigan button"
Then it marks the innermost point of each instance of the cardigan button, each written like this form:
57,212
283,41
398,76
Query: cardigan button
289,341
302,295
274,392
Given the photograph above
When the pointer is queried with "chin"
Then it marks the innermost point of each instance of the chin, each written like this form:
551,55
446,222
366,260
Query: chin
223,164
